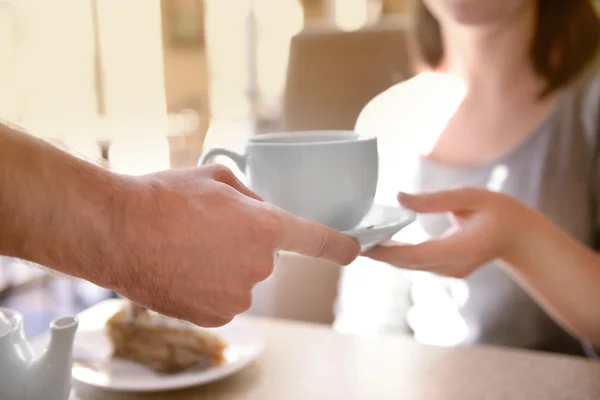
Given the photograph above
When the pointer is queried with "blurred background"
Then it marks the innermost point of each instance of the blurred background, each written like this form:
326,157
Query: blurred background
143,85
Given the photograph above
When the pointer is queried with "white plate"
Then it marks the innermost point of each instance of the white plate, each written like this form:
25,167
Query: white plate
381,224
93,365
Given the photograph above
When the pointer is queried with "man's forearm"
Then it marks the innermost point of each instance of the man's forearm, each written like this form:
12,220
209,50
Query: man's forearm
55,209
564,276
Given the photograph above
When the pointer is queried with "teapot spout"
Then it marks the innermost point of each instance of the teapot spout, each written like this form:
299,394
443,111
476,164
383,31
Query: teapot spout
62,334
50,374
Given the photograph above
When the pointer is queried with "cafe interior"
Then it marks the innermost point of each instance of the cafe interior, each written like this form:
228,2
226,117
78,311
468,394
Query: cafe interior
140,86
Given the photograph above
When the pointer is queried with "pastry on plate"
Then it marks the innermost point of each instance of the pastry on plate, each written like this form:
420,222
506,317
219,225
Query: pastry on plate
163,344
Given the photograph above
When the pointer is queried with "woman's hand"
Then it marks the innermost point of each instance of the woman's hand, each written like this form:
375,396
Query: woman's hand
488,226
561,273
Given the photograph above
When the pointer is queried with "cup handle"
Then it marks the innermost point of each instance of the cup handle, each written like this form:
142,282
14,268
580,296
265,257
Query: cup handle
211,154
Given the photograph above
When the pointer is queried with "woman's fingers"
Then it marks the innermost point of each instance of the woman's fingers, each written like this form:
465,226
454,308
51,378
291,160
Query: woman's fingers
468,244
423,256
433,256
456,200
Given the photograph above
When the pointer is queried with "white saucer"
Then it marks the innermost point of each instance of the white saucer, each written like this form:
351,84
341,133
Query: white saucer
93,365
381,224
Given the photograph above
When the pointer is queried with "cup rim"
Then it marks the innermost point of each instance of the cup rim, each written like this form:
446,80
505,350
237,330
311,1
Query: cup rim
348,137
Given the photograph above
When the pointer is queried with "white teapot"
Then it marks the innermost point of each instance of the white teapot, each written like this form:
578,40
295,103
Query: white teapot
23,376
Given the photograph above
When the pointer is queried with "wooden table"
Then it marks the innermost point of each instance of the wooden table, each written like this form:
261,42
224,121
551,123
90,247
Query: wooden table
306,361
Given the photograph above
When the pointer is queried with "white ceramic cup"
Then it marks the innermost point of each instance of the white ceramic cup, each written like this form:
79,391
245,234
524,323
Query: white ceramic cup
325,176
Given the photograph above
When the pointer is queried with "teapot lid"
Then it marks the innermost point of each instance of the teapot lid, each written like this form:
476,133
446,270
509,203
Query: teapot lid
6,321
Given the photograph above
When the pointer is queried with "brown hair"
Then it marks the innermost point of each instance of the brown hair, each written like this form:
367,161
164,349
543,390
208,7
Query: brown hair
566,38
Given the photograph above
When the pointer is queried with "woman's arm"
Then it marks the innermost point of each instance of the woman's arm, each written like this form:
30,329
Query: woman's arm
562,274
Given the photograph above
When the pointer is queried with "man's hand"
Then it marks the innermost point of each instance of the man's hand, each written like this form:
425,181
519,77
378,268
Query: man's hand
187,243
196,241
